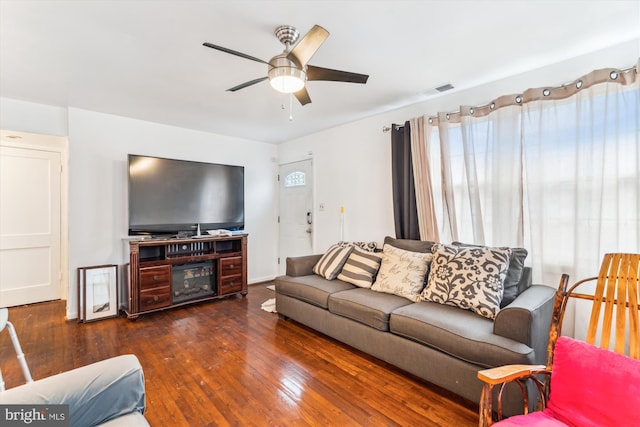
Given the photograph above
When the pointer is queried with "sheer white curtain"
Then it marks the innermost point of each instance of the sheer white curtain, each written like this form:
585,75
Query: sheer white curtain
582,162
556,170
478,177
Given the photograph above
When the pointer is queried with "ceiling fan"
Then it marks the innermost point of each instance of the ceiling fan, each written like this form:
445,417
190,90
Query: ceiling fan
289,71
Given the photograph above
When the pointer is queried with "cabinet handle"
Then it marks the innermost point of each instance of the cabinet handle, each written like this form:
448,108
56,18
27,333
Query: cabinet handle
155,277
155,298
230,265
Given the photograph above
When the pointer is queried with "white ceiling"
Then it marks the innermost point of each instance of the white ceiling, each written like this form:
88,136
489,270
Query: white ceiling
144,59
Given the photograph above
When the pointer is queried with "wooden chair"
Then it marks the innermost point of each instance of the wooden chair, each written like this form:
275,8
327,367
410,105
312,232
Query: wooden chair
613,325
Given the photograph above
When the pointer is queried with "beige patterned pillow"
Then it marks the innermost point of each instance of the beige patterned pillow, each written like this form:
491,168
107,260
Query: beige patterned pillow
468,277
360,268
402,272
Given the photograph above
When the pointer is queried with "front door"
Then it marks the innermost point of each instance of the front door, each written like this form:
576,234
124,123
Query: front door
296,210
30,235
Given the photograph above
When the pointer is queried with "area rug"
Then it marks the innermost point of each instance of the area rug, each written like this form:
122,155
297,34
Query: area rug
272,287
269,305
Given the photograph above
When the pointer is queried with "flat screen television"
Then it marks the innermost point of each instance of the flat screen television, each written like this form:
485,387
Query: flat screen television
170,197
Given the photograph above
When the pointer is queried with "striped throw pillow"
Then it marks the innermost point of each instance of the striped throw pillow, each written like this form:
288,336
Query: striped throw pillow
360,268
331,263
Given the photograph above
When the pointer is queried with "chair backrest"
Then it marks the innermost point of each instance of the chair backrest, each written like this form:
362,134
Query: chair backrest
592,393
615,306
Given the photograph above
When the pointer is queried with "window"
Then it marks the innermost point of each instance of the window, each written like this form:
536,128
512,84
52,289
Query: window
572,166
295,179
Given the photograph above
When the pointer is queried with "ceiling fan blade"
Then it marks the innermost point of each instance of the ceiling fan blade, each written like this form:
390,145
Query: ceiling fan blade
233,52
246,84
319,73
308,45
303,96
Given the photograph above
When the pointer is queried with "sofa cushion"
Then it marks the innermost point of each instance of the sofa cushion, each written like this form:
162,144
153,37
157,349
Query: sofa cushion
409,244
470,278
360,268
366,306
512,283
312,289
459,333
402,272
331,263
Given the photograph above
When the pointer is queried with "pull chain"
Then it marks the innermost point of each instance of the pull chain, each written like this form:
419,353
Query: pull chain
282,106
291,107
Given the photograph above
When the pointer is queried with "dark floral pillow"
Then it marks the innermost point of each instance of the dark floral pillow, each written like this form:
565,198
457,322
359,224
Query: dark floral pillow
471,278
367,246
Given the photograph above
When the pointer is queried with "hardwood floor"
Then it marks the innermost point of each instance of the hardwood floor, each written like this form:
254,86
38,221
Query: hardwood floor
229,363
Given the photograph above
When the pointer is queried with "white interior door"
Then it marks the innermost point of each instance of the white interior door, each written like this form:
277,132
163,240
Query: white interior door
30,185
296,210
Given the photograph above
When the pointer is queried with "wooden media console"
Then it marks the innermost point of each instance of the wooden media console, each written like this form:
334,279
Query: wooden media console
167,273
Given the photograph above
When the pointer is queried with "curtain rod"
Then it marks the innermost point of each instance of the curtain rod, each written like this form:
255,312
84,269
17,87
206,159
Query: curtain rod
386,129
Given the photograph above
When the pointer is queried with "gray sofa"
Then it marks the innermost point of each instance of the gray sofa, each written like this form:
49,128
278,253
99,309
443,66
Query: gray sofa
107,393
441,344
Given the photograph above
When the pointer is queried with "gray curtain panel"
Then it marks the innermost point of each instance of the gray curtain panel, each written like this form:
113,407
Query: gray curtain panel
404,193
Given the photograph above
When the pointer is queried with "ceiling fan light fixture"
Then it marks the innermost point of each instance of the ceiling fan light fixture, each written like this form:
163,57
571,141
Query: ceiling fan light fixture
284,76
286,79
289,71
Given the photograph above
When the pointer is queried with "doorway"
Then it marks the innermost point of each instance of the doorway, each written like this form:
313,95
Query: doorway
31,219
296,211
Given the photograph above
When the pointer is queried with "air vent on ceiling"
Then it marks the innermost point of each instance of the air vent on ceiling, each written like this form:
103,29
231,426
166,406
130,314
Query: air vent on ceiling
437,90
444,87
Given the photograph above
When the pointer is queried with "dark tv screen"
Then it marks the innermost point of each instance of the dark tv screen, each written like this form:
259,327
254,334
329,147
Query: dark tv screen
168,196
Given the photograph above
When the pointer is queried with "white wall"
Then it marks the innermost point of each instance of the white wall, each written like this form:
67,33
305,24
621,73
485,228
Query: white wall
99,144
98,148
30,117
352,163
352,169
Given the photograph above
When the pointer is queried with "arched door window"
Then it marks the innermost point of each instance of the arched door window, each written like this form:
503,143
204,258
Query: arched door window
295,179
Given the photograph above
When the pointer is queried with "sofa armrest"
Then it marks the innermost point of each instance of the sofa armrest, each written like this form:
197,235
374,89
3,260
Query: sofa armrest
95,393
302,265
527,319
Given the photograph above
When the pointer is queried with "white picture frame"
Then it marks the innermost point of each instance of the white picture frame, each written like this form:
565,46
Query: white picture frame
97,292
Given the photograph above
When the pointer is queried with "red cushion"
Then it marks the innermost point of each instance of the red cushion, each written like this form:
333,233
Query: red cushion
593,387
539,419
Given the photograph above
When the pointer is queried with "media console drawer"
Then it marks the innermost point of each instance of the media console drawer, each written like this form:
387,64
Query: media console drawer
231,266
155,277
155,298
230,284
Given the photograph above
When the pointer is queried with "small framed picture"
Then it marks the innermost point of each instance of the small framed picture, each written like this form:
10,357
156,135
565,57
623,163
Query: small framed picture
97,292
